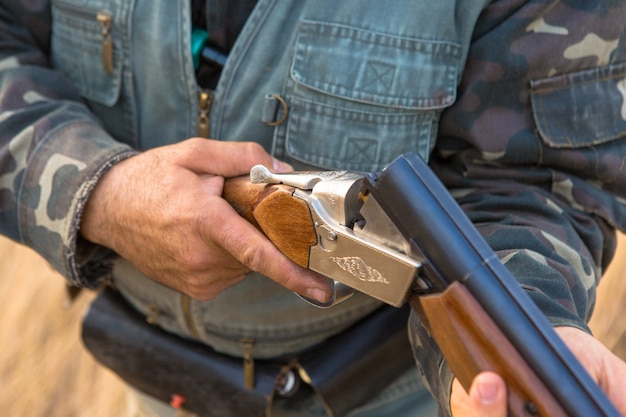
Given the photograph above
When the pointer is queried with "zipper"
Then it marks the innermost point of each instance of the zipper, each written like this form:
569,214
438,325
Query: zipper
246,343
106,21
205,101
189,321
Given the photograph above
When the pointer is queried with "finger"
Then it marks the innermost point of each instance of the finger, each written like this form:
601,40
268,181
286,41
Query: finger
228,159
615,384
220,280
459,400
604,366
488,396
259,254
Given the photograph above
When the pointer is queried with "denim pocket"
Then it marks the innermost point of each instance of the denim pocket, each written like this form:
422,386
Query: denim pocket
86,40
581,109
358,98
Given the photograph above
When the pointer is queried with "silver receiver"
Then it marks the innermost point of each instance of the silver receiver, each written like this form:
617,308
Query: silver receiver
358,247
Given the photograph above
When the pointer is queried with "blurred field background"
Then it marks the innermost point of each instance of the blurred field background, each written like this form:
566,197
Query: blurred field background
44,371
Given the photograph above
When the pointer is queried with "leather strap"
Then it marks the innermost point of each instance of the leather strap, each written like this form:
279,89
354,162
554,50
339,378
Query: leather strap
345,371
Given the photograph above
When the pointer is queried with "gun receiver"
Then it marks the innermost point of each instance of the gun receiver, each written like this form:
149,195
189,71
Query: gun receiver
316,219
399,236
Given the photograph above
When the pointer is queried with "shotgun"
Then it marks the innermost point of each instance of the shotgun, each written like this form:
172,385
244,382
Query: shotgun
368,234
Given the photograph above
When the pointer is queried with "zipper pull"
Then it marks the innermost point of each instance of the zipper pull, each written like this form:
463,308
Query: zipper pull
188,316
248,362
204,106
106,20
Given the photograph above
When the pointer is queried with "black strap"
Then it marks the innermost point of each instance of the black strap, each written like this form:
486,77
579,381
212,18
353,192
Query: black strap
346,370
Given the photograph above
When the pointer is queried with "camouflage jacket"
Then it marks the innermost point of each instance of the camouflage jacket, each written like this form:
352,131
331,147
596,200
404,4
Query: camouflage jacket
529,122
534,148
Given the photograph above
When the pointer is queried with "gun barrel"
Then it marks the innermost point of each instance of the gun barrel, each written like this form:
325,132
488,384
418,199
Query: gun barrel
454,251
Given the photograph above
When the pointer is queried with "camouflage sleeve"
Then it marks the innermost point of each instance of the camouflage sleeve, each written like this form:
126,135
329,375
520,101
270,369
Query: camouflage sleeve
52,150
534,151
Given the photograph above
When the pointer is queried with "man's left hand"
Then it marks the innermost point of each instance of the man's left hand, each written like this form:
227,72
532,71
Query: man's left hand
487,396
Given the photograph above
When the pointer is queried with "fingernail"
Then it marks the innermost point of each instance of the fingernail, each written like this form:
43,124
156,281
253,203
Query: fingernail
317,294
487,392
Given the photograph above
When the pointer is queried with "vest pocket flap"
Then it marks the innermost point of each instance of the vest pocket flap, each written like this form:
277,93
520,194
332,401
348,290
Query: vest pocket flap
375,68
86,47
582,108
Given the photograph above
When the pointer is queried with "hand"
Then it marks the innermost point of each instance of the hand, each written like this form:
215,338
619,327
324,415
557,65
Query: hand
487,396
162,210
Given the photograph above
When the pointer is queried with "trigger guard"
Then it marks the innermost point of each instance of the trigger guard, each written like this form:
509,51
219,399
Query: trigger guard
340,293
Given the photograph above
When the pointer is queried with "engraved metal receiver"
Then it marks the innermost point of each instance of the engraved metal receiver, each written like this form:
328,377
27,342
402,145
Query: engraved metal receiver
358,246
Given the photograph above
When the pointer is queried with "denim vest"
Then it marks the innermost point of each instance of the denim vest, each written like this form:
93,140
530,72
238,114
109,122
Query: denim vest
320,83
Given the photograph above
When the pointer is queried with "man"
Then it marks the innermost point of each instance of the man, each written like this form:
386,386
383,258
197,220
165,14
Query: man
497,94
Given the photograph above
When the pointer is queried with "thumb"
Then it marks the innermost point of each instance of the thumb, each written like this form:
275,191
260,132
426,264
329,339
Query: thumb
259,254
488,395
227,159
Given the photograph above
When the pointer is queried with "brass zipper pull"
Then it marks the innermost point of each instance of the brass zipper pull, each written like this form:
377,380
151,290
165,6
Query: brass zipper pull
248,362
106,20
204,107
189,320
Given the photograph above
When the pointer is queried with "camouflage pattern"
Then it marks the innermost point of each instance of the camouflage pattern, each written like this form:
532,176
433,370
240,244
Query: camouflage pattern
533,149
534,146
43,190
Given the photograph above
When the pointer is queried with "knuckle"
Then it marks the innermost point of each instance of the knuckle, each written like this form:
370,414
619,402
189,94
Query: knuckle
195,142
253,258
255,149
194,262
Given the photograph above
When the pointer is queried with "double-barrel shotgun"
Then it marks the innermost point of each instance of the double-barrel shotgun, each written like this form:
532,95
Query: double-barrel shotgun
399,236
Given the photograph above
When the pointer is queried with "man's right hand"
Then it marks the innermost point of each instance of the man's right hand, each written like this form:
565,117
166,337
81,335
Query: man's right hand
162,210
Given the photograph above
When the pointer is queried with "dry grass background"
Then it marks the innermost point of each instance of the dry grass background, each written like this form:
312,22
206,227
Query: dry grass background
44,372
609,318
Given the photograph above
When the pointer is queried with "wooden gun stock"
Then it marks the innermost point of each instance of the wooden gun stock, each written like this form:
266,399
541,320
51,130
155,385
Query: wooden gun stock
471,343
272,209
